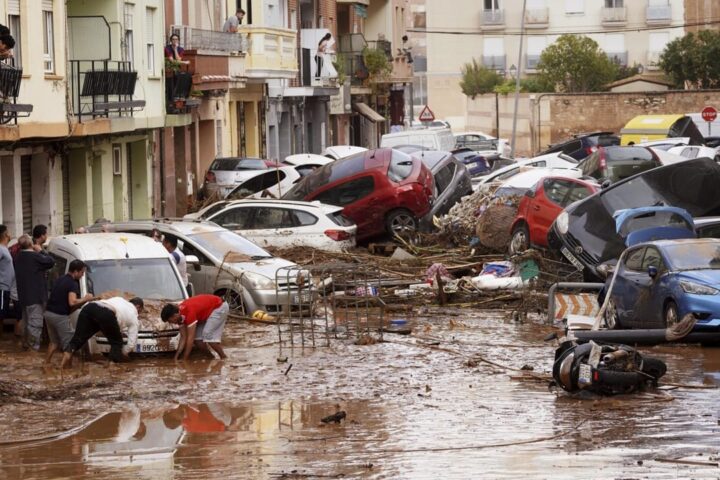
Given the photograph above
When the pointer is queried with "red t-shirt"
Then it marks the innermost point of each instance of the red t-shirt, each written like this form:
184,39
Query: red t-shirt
199,308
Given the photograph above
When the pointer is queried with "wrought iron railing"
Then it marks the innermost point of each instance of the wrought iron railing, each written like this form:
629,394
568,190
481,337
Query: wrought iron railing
103,88
10,110
209,40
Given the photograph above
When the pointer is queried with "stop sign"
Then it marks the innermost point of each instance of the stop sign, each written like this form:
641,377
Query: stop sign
709,114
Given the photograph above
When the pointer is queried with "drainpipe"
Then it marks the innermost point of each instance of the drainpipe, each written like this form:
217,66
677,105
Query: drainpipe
517,81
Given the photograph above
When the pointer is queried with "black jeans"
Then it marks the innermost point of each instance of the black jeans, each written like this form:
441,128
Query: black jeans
319,64
94,318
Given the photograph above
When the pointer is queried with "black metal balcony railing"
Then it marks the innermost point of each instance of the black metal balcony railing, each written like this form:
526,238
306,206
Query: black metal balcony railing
10,110
103,88
355,69
177,92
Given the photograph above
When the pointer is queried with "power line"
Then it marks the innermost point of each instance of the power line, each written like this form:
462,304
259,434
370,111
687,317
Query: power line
530,33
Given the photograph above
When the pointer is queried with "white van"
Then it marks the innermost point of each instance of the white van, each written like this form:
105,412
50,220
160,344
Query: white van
135,265
432,138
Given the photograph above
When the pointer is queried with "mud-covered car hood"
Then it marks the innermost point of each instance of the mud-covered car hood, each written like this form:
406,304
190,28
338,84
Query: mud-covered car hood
266,267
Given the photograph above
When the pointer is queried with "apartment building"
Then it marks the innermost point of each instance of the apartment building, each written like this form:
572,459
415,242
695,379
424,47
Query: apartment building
702,15
631,32
83,96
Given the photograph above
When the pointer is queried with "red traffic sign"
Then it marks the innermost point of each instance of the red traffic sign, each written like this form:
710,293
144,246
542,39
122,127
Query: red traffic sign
426,115
709,114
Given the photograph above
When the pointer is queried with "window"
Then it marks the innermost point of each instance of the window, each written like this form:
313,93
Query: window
444,177
257,184
634,259
614,3
218,136
177,12
491,4
15,31
348,192
304,219
235,218
48,37
401,165
117,159
657,41
578,193
574,7
150,39
129,40
535,47
267,218
614,44
57,271
536,4
652,259
556,190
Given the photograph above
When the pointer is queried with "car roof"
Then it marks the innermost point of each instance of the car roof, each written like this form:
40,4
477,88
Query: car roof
107,246
667,243
315,205
704,221
182,227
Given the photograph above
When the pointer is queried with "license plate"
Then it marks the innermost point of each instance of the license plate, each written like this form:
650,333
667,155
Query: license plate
585,375
148,348
304,297
572,259
472,165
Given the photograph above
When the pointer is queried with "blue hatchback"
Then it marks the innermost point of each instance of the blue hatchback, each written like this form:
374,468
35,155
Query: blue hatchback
657,283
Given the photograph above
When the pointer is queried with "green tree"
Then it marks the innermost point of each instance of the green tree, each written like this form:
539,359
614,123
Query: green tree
575,63
693,58
477,79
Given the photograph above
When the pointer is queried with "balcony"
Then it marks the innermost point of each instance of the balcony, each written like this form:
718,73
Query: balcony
621,58
536,18
208,40
271,52
215,70
103,89
658,14
532,61
327,77
494,62
10,110
614,16
493,19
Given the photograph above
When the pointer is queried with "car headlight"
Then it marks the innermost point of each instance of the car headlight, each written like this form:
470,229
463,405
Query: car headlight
698,289
260,282
562,222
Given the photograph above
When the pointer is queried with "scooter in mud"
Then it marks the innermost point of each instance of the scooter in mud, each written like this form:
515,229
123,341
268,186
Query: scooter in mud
604,369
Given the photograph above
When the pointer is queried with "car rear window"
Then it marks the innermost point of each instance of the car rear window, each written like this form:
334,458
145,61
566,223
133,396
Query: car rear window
224,164
233,164
347,192
339,169
401,165
257,184
340,219
628,154
654,219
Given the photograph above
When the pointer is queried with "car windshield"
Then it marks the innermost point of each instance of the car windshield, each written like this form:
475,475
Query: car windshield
221,242
231,164
431,160
694,256
329,173
149,278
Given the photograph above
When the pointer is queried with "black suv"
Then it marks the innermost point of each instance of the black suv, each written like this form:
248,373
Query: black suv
583,144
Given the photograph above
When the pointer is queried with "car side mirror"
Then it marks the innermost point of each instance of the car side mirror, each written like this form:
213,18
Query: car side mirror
194,261
652,271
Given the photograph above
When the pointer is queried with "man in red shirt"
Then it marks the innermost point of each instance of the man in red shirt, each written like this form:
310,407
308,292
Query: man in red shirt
201,319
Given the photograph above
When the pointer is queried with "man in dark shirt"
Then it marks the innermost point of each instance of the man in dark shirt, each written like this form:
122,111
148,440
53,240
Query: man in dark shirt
64,299
30,268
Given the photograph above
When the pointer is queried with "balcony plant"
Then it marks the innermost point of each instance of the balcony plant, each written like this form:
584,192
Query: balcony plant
172,66
377,63
339,65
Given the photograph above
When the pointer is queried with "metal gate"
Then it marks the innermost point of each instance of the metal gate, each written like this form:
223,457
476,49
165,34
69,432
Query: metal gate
26,192
67,224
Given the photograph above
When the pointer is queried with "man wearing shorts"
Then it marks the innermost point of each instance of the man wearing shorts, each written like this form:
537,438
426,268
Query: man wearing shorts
110,316
64,298
201,319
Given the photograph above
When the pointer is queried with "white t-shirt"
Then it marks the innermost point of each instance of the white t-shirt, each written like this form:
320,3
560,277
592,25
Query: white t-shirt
127,317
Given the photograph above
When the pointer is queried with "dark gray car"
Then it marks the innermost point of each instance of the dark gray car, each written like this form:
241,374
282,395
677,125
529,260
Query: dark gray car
452,182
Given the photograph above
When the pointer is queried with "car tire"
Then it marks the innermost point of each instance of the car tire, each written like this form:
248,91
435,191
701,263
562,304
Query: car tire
520,240
670,314
234,301
401,222
654,367
610,317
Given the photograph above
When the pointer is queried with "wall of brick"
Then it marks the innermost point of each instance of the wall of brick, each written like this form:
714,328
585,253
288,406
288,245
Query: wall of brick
548,118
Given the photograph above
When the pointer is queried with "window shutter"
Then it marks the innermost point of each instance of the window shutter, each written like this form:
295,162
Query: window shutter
13,7
47,5
128,16
150,25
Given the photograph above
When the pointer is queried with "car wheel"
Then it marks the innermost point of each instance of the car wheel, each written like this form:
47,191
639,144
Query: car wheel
520,240
234,301
671,314
401,223
611,316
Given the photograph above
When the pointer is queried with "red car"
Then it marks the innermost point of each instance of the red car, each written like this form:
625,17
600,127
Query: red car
382,191
540,207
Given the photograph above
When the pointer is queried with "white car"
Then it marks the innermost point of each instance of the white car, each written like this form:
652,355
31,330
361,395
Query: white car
341,151
306,162
550,160
696,151
285,223
665,143
269,183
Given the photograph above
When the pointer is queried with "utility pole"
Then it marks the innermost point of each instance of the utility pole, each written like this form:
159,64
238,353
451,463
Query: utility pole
517,81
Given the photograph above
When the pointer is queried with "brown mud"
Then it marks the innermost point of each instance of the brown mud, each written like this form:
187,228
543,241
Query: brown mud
449,401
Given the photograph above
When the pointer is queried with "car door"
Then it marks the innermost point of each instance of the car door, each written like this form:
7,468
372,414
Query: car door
545,208
626,287
443,180
239,219
650,297
202,275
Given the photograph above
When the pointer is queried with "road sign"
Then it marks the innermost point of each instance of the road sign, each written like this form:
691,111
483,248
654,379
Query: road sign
426,115
709,114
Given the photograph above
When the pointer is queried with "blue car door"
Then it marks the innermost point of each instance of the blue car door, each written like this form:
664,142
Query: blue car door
652,292
625,290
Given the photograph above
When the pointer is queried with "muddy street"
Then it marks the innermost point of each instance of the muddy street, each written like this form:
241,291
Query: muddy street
421,406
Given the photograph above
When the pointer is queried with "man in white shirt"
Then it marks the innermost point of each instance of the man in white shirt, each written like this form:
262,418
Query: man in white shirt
170,244
111,316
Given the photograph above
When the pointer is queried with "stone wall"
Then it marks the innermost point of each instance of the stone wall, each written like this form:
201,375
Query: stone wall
548,118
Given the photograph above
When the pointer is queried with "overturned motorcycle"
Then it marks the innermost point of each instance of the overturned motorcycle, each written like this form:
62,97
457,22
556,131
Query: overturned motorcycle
604,369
